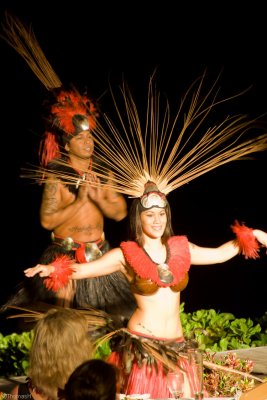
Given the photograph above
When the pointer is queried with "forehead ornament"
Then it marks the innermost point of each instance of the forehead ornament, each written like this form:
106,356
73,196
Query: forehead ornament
153,199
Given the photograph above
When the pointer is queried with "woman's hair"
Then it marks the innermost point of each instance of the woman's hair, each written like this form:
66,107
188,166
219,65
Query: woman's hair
93,380
136,232
61,342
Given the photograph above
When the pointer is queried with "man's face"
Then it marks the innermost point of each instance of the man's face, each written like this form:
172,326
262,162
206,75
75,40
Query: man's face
81,145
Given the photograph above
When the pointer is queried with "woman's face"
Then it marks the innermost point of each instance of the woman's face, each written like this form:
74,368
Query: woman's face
154,222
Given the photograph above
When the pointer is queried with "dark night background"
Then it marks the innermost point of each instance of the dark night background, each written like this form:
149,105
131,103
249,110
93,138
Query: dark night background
90,43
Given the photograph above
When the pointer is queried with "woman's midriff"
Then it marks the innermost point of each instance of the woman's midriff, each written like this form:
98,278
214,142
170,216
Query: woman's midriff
158,315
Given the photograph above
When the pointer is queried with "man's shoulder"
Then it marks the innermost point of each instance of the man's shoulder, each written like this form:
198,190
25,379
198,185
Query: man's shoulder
62,170
99,162
60,164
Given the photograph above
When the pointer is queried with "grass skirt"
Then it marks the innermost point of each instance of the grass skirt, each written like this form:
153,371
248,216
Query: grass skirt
144,361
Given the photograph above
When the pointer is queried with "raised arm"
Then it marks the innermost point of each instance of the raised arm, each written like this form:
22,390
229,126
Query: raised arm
248,243
110,262
208,255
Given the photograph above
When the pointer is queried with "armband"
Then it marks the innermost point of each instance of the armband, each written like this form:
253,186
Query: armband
247,242
61,275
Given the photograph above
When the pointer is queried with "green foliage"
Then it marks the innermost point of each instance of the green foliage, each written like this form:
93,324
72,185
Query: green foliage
14,353
221,331
213,331
263,322
103,350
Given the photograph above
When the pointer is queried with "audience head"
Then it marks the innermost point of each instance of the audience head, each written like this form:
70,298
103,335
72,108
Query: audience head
93,380
61,342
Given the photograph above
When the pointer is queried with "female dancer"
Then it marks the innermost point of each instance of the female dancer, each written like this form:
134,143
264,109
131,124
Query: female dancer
156,264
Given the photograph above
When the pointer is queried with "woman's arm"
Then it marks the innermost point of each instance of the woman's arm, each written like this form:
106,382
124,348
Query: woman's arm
228,250
110,262
208,255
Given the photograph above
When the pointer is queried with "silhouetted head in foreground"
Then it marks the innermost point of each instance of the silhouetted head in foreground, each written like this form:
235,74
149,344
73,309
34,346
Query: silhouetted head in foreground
93,380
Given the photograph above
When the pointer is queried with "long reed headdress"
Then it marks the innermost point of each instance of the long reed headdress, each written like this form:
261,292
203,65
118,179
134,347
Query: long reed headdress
171,151
70,112
167,150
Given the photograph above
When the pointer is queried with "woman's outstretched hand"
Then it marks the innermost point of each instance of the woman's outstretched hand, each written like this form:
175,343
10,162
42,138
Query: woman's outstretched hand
261,236
42,270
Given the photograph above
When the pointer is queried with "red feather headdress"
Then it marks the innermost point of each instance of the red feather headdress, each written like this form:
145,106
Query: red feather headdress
71,112
68,105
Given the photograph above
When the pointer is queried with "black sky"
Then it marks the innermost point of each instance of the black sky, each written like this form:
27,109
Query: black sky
89,44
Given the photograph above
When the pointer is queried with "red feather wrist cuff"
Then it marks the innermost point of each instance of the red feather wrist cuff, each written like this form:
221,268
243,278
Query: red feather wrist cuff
247,242
61,275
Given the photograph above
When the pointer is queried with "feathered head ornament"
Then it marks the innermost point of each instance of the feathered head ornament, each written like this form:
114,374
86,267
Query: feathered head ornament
70,112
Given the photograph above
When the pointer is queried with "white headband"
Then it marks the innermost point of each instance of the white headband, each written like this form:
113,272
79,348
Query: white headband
153,199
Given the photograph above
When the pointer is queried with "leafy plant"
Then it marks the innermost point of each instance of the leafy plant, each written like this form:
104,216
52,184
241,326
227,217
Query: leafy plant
14,353
222,331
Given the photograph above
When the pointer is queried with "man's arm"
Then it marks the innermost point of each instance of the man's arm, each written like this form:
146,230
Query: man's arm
113,206
54,211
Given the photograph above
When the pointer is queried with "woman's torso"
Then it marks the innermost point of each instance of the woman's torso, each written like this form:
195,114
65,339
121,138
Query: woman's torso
158,311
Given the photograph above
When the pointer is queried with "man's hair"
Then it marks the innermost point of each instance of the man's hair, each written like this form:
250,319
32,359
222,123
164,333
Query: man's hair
61,342
93,380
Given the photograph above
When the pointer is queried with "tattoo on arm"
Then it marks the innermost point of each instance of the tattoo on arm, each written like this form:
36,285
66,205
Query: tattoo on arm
49,202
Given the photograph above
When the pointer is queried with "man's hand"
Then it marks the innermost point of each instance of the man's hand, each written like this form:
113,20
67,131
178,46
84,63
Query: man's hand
95,190
111,203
